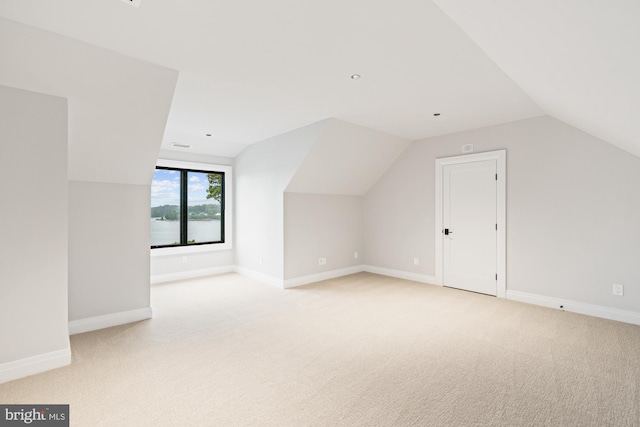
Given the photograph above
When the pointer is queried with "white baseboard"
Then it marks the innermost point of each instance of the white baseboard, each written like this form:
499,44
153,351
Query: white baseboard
326,275
576,307
399,274
304,280
296,281
190,274
108,320
261,277
34,365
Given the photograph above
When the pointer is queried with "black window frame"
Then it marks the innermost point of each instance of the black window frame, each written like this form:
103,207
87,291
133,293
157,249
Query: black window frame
184,208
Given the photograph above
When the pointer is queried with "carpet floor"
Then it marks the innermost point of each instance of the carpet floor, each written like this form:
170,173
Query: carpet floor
361,350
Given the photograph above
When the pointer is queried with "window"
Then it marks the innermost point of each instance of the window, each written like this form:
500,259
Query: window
187,207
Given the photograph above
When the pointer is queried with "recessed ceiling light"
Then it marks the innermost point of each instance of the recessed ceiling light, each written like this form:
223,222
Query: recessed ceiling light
177,145
135,3
355,76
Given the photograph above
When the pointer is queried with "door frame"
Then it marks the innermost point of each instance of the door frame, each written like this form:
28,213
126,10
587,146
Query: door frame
500,156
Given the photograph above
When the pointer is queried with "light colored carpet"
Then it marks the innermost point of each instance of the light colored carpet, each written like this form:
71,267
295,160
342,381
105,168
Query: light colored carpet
362,350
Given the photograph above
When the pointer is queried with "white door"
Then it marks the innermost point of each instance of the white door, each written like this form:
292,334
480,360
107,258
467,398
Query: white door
469,221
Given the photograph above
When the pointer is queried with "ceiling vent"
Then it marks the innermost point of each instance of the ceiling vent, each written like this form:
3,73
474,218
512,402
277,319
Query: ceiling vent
134,3
177,145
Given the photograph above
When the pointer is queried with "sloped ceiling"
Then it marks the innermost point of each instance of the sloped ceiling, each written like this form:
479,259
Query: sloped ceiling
253,69
118,106
579,60
250,70
345,159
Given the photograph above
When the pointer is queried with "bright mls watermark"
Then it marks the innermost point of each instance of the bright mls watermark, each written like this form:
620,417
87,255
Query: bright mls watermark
34,415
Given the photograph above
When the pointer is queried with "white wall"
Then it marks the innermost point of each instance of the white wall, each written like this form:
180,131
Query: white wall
187,156
572,211
118,107
262,172
323,203
321,226
166,268
109,248
33,256
281,235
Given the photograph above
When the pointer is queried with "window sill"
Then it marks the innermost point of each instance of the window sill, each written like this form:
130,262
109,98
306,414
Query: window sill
183,250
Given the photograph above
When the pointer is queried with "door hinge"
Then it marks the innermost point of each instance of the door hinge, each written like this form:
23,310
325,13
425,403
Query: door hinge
496,177
496,276
496,227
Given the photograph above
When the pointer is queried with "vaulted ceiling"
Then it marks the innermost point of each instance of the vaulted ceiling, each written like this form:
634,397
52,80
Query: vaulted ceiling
252,69
117,105
578,60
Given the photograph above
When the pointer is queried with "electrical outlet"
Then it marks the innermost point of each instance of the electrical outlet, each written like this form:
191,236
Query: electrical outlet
618,289
184,259
322,261
416,261
261,260
355,255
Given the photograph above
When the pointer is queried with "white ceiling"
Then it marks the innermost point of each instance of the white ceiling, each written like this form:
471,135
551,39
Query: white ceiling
117,105
253,69
345,159
579,60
